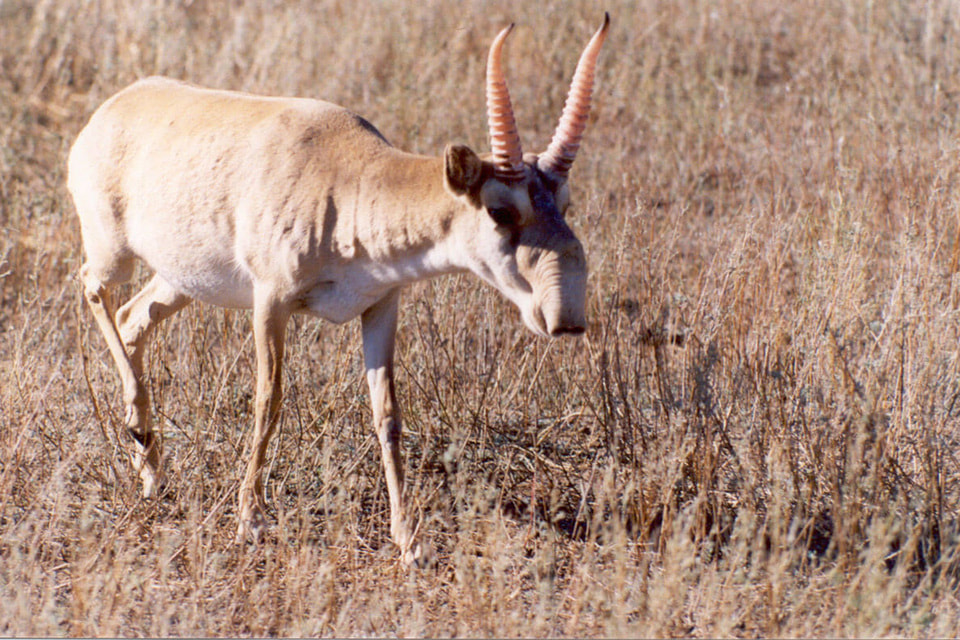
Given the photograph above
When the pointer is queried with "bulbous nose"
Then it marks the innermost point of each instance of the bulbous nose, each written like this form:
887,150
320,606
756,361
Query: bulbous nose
564,312
564,302
570,321
571,331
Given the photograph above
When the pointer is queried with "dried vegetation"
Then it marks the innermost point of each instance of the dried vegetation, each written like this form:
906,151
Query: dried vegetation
759,435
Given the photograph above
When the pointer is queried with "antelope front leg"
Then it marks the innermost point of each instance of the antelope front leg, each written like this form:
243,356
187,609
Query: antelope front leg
269,326
379,331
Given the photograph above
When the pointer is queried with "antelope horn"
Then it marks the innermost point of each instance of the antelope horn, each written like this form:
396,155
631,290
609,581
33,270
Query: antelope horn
559,156
504,140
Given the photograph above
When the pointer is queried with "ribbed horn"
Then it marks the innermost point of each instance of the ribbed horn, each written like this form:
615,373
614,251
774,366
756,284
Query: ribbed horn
559,156
504,139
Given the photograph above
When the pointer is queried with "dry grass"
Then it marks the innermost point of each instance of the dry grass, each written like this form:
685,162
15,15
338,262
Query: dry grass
758,435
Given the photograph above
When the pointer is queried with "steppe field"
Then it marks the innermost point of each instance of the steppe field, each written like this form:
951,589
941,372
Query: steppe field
759,434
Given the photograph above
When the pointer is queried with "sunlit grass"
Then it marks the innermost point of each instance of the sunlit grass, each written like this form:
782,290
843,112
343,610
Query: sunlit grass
757,436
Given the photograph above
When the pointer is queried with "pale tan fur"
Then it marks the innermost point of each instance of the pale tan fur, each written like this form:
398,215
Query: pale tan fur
292,205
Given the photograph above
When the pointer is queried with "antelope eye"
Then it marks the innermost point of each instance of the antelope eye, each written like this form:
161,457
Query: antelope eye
504,216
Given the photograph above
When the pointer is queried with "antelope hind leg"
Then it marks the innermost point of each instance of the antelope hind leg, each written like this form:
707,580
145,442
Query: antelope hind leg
136,321
145,454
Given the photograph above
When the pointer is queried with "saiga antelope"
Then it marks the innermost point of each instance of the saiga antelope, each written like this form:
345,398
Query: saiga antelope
288,205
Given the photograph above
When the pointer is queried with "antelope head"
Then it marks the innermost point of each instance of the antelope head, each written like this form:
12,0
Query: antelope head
524,247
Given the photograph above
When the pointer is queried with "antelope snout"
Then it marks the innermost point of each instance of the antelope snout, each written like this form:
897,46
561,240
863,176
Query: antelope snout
564,312
567,330
568,323
563,304
559,280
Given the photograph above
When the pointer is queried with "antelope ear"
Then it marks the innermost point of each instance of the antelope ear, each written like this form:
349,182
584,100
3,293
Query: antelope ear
461,169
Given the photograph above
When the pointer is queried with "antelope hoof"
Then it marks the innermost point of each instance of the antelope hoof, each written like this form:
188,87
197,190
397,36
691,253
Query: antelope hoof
152,482
151,476
252,527
419,555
